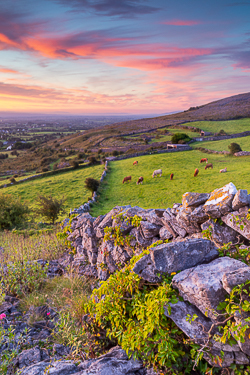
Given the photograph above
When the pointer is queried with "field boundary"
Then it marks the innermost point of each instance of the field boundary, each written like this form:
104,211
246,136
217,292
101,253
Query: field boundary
46,174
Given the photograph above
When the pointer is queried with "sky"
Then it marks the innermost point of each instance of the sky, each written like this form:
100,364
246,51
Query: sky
121,56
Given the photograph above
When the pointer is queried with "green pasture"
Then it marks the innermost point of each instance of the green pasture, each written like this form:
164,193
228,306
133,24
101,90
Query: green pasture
230,126
160,192
67,184
244,143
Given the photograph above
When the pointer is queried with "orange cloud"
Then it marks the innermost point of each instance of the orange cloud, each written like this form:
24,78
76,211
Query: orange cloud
177,22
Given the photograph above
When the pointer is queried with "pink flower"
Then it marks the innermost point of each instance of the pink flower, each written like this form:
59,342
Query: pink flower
2,316
48,313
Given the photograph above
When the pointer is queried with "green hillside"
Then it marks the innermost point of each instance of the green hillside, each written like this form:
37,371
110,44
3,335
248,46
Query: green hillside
160,191
244,143
229,126
68,184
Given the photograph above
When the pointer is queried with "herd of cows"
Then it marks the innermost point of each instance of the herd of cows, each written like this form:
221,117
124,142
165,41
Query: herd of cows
158,172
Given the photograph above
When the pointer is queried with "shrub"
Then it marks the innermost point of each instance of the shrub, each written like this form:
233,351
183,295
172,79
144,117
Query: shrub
180,136
92,160
115,153
20,278
55,167
49,207
12,180
234,147
222,132
45,169
12,212
74,164
99,151
80,155
91,184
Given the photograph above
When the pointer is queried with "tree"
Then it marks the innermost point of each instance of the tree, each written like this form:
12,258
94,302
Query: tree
13,212
50,207
91,184
234,147
180,137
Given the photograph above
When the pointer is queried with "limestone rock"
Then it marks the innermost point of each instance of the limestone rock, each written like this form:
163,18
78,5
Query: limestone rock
237,220
202,285
194,199
114,362
55,368
170,222
220,201
198,215
220,233
149,230
173,257
241,199
164,234
237,277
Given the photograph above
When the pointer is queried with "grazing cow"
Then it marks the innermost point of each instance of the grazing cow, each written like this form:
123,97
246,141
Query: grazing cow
135,162
171,176
204,160
223,170
156,173
209,165
196,172
128,178
140,180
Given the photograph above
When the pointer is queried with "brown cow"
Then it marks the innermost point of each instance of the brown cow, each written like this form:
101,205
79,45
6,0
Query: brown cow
171,176
196,172
128,178
209,165
203,160
135,162
140,180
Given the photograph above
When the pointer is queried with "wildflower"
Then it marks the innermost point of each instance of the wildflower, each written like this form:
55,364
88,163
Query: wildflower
173,273
48,313
2,316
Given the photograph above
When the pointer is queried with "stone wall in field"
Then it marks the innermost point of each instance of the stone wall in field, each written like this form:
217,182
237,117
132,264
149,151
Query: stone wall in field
202,277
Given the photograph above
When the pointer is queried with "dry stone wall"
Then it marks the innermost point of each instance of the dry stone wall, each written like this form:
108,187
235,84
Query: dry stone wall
203,278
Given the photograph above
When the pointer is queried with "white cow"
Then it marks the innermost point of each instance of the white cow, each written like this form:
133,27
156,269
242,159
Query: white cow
156,172
223,170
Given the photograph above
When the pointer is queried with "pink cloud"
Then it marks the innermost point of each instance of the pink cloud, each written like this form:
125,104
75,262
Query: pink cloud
176,22
6,70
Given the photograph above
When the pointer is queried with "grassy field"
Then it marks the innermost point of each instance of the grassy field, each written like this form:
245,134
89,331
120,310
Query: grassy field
244,143
68,184
160,192
230,127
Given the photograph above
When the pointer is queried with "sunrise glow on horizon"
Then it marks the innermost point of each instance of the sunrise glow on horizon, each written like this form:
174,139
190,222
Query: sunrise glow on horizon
121,56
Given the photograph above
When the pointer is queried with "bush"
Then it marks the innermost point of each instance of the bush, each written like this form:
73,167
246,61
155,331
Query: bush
234,147
44,169
222,132
91,184
92,160
12,212
12,180
74,164
49,207
180,136
115,153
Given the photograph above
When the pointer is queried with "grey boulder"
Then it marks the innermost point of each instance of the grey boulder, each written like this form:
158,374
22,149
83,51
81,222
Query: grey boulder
202,285
173,257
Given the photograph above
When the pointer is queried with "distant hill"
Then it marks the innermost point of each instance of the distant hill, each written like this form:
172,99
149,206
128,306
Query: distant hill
234,107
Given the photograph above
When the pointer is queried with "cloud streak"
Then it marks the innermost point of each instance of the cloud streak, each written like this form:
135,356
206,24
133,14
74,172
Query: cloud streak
177,22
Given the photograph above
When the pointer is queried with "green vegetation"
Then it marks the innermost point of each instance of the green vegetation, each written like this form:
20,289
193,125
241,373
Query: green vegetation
180,138
12,211
160,191
222,145
68,184
234,147
229,126
49,207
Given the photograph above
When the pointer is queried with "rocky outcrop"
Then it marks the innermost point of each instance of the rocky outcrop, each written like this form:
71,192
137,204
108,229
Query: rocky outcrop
202,278
115,361
197,212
